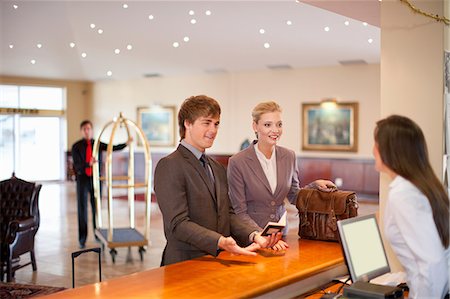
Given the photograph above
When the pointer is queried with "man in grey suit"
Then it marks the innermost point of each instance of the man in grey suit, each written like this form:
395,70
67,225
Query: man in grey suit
192,193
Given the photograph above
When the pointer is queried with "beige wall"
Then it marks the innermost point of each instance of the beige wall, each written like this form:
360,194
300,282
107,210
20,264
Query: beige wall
78,95
412,75
238,93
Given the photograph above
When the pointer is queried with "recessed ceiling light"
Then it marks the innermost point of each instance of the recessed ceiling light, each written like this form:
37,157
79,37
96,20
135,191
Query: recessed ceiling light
346,23
193,21
129,47
33,61
326,28
151,17
186,39
262,31
109,73
84,55
100,31
175,44
370,40
39,46
125,5
266,45
15,6
364,23
11,46
191,13
117,51
289,22
92,25
72,45
208,12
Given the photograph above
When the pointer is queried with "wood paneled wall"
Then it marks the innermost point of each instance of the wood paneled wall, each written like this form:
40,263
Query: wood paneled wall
358,175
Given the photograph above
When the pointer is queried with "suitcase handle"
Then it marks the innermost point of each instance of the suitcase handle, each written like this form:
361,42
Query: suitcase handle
78,253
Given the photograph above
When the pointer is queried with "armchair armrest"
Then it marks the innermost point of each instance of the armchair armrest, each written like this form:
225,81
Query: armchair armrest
16,226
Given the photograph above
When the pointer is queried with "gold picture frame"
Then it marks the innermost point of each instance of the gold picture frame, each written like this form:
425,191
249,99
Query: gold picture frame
158,124
330,127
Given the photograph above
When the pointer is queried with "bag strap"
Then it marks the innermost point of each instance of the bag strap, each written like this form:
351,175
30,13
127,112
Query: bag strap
332,218
308,196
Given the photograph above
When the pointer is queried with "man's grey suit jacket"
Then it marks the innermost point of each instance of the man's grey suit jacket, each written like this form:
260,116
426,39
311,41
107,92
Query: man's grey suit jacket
194,218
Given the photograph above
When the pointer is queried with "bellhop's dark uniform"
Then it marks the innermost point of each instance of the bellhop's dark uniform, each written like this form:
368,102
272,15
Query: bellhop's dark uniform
85,184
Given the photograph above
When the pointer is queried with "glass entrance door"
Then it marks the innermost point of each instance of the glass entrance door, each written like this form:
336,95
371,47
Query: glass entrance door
31,147
39,147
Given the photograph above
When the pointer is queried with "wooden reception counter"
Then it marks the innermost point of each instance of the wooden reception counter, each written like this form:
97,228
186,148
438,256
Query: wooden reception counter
304,266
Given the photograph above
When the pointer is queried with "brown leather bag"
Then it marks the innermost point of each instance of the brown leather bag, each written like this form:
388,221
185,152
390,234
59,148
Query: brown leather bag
319,212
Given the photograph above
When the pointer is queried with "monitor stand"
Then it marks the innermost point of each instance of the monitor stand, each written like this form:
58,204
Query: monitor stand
361,289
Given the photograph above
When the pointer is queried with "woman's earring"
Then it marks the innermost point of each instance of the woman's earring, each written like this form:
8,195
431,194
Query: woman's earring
256,134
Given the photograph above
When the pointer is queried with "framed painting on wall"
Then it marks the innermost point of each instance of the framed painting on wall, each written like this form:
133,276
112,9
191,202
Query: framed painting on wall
330,127
158,124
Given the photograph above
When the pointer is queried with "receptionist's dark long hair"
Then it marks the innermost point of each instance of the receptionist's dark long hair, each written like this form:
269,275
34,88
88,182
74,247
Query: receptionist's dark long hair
403,150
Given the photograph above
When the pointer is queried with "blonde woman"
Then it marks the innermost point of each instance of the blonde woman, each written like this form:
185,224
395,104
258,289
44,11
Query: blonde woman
261,176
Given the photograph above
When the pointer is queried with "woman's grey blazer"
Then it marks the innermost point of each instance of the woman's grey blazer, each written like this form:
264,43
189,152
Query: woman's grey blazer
249,189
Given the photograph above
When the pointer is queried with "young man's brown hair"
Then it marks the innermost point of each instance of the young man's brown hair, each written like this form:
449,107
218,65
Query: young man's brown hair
195,107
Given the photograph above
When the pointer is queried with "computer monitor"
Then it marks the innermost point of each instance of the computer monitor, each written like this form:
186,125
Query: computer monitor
363,248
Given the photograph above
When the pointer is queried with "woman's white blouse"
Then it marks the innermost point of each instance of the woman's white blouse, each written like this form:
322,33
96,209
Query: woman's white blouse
269,167
410,228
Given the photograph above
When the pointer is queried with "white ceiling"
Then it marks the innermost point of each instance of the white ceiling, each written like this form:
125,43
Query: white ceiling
227,40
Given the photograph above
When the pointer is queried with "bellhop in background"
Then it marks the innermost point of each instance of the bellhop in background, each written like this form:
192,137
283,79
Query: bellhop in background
82,163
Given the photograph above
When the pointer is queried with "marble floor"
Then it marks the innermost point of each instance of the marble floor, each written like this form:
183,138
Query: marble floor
57,238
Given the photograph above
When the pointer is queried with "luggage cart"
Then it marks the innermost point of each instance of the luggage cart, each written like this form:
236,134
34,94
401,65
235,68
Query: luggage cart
109,235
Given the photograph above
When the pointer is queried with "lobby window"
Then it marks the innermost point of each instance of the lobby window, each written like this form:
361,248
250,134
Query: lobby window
32,134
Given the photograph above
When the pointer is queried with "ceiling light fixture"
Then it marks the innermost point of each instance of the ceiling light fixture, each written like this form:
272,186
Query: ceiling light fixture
117,51
100,31
326,28
33,61
92,25
11,46
365,24
151,17
370,40
109,73
208,12
125,5
186,39
72,45
175,44
84,55
193,21
191,13
346,23
266,45
39,46
15,6
262,31
129,47
289,22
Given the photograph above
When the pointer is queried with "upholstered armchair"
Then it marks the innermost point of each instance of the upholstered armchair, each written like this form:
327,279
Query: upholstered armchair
19,222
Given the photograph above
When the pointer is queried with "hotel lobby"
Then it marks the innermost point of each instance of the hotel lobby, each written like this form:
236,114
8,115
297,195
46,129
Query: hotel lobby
106,59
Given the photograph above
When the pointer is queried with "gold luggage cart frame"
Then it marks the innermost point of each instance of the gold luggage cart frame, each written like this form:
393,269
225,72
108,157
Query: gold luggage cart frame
109,235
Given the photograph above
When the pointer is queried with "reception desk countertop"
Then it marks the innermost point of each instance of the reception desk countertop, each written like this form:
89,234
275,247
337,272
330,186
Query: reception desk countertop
227,276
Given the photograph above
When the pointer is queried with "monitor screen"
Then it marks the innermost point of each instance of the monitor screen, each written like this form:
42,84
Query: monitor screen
363,248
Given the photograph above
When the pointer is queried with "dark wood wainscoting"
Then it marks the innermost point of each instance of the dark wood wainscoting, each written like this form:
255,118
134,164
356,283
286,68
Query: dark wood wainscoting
356,174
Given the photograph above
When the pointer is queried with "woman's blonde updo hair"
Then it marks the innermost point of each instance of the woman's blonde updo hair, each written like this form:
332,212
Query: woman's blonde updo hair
264,107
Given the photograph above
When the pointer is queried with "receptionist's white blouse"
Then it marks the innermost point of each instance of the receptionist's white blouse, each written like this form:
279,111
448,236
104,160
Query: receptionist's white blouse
410,228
